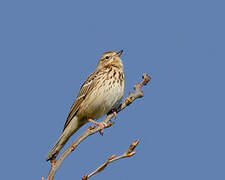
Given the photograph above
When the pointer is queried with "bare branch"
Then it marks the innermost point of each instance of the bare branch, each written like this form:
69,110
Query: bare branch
130,152
92,130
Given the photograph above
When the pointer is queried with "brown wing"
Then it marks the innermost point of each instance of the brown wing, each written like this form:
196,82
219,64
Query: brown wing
84,90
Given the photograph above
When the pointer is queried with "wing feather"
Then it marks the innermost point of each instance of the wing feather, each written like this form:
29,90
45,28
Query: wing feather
84,90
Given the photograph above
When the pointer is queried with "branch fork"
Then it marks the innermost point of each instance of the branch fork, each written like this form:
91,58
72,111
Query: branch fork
130,152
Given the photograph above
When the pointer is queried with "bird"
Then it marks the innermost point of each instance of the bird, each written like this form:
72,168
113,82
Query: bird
100,94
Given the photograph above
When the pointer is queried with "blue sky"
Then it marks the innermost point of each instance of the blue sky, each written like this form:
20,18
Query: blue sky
48,48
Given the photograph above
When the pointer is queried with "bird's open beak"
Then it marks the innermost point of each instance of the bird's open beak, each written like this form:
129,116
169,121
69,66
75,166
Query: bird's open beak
119,53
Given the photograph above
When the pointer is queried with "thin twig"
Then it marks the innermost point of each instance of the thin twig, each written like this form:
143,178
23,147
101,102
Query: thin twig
130,152
92,130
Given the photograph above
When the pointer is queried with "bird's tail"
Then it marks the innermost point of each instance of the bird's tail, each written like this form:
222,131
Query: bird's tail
71,128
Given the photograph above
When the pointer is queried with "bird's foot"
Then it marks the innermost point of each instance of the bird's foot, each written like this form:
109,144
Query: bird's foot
101,125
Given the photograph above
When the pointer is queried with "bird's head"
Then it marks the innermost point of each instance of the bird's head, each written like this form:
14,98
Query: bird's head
110,58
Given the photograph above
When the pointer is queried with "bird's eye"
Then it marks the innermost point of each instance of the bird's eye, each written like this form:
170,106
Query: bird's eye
107,57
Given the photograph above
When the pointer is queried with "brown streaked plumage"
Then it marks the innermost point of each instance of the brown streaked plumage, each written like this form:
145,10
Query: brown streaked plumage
100,93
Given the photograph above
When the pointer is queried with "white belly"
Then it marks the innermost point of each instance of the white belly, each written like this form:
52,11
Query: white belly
103,100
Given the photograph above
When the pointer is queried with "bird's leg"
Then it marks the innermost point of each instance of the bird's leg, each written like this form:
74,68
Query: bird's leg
101,125
114,113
